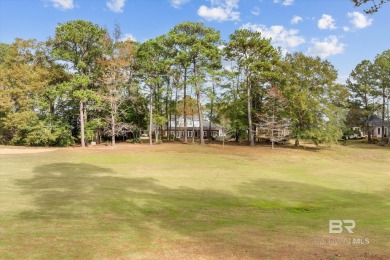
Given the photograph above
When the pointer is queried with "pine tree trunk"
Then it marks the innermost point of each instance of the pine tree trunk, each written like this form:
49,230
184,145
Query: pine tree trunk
112,129
82,132
383,115
200,114
175,114
85,121
150,116
211,112
249,104
185,105
368,131
193,126
167,113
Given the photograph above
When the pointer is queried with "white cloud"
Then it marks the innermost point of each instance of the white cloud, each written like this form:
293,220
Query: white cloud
178,3
128,36
62,4
280,36
288,2
327,47
359,20
255,11
285,2
326,22
346,29
220,10
116,5
296,19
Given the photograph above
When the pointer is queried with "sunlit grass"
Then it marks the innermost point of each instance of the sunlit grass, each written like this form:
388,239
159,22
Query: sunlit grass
185,201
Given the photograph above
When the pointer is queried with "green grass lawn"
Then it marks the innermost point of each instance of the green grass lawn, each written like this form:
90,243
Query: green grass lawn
177,201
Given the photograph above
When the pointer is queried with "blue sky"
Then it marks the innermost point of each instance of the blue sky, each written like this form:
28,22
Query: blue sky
332,29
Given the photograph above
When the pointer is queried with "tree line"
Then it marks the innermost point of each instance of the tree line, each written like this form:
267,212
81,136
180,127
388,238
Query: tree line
369,85
86,83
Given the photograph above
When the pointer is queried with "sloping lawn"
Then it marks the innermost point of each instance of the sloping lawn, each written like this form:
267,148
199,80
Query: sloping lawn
178,201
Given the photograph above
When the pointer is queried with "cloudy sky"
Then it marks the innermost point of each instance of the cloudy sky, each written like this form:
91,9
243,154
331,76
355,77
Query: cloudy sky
332,29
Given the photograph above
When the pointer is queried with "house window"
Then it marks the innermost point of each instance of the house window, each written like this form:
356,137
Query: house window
205,133
189,134
379,131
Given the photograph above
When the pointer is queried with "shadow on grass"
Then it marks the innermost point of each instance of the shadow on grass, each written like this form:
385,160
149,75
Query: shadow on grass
70,191
267,145
359,144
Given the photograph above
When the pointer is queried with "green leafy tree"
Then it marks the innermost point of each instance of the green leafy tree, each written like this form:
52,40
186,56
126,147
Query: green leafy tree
151,65
79,43
202,52
382,72
195,48
361,84
181,45
255,58
231,103
315,102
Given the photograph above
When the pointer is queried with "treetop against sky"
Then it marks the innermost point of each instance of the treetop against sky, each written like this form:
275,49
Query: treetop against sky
331,29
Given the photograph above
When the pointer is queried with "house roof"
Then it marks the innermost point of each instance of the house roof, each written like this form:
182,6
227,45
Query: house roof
378,122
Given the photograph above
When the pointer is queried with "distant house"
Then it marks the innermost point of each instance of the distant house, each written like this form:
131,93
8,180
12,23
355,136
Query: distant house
375,128
193,128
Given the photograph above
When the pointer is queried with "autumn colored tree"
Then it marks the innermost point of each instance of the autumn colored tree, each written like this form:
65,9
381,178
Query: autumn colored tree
115,74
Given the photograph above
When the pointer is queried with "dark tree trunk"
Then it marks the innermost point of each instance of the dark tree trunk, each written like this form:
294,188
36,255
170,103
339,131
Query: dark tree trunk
52,109
201,141
112,129
368,131
167,113
150,116
193,126
211,110
85,121
383,114
175,113
82,133
185,105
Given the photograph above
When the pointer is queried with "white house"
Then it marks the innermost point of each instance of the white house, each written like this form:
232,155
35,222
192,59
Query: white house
176,128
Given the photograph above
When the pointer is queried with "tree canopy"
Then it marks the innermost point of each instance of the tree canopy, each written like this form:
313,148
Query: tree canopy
84,85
